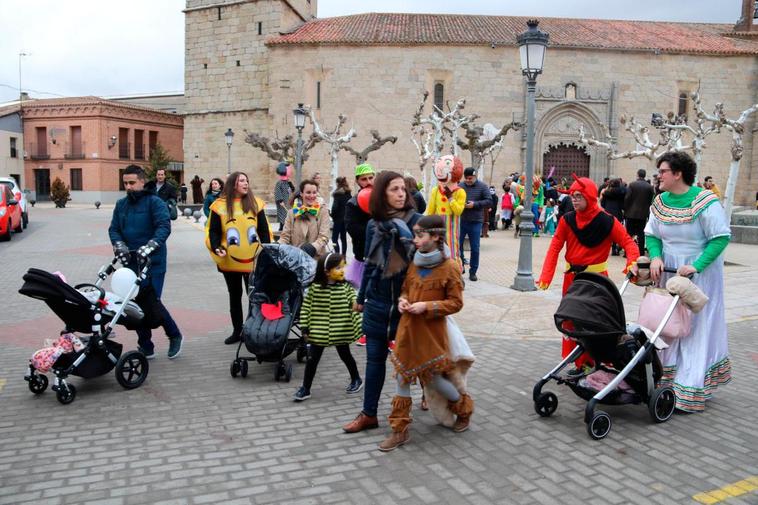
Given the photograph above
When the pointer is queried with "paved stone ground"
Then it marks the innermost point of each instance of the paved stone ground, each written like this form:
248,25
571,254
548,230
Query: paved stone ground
194,435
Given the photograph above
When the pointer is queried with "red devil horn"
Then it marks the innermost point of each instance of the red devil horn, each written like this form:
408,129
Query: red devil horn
578,181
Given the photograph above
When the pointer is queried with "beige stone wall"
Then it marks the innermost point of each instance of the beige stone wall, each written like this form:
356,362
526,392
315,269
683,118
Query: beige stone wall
10,165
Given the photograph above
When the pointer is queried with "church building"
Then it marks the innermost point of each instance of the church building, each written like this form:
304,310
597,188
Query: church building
250,62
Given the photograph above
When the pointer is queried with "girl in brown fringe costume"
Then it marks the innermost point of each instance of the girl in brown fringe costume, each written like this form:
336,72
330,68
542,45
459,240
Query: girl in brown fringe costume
433,289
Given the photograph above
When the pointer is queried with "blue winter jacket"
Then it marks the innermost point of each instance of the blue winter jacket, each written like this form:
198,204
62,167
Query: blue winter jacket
139,217
379,296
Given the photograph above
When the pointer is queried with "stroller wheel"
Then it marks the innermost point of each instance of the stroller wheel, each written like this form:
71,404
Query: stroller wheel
546,404
131,369
288,372
600,425
235,368
37,384
243,368
66,394
661,404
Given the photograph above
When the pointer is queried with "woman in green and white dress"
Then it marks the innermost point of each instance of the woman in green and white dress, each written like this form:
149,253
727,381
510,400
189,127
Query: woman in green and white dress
688,230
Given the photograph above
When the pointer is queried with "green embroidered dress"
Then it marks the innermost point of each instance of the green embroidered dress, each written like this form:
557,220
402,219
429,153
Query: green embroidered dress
692,229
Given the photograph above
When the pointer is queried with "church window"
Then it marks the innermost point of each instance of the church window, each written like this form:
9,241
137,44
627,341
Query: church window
260,28
238,63
318,94
439,95
682,104
218,9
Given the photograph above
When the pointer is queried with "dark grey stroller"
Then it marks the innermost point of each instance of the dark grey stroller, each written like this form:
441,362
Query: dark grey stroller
271,331
592,313
87,309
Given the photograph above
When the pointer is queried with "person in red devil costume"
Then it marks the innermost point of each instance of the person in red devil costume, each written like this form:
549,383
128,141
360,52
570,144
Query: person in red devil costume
588,232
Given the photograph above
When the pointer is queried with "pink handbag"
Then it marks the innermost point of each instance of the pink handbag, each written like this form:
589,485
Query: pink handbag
653,308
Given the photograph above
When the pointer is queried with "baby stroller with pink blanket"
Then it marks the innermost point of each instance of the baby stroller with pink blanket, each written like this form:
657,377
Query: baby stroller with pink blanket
627,367
92,312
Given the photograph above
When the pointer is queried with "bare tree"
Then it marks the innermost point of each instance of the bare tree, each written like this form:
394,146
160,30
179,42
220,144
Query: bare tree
478,143
336,142
280,149
737,127
376,144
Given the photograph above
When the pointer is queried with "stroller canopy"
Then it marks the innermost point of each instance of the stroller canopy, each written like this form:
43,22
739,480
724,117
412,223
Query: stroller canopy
284,261
592,306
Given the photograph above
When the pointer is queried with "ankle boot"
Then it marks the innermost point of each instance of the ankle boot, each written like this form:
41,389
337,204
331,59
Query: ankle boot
463,409
399,419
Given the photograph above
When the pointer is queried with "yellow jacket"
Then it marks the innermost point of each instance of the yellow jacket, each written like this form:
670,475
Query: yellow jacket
444,206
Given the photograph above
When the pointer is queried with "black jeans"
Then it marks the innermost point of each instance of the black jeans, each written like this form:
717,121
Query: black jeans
314,356
636,228
234,283
339,232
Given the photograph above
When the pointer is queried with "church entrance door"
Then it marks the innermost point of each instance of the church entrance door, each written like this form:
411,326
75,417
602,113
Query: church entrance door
566,159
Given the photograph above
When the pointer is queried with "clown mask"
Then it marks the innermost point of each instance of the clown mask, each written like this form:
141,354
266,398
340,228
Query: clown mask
448,170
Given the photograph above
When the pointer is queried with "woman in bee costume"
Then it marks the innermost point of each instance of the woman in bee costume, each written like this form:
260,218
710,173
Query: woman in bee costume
236,227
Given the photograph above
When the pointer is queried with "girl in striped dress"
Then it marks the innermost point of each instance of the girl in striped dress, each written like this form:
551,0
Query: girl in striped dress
327,319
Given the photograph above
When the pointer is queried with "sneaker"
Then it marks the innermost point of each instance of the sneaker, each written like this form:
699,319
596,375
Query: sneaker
354,387
301,394
174,346
148,354
465,261
361,341
472,277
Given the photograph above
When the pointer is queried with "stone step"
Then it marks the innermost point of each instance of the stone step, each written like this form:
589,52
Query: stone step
744,234
745,218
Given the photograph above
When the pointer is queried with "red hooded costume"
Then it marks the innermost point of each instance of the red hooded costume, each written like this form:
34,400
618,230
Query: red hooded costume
588,236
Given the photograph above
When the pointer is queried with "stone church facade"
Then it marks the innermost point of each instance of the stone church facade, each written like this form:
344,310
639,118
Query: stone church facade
250,62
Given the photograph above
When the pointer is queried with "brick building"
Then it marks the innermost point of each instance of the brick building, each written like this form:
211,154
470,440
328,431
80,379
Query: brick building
248,63
87,141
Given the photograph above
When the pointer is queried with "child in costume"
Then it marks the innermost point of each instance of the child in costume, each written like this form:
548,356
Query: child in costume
538,199
449,200
551,219
587,232
432,290
327,319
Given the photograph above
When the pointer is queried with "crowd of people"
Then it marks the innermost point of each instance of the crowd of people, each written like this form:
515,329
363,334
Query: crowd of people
394,291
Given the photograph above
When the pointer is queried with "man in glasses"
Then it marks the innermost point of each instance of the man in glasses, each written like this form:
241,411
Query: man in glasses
587,232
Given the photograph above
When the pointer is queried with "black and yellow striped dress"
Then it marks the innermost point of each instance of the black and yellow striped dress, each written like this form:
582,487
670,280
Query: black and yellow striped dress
328,314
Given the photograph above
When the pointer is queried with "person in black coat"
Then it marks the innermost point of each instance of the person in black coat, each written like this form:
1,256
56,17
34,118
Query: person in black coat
637,202
612,200
340,198
411,185
163,188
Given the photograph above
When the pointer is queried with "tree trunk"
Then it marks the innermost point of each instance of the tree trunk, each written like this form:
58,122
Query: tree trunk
731,185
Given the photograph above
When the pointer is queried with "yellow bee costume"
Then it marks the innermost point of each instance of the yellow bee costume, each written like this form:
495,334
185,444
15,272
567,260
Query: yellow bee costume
241,236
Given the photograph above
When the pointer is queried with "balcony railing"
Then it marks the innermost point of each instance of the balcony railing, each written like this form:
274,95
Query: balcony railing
39,152
139,151
75,153
124,151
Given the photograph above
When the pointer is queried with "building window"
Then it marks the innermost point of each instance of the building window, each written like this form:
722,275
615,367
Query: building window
682,105
76,179
75,143
139,144
205,66
238,63
124,150
439,96
219,13
260,28
152,141
14,153
318,94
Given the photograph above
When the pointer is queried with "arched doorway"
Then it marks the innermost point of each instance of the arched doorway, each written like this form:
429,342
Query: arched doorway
566,159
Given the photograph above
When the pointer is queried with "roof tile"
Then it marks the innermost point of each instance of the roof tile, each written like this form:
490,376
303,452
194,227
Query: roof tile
435,29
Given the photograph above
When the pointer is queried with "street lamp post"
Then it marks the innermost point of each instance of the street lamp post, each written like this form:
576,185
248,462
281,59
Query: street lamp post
229,136
299,113
532,44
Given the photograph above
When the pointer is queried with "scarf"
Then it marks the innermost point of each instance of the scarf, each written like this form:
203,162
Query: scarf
397,234
428,260
302,210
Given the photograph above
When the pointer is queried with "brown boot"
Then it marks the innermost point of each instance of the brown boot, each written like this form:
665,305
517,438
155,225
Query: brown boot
463,409
395,440
399,419
360,423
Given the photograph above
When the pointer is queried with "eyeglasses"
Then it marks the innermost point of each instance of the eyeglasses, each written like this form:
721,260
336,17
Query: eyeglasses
577,197
662,171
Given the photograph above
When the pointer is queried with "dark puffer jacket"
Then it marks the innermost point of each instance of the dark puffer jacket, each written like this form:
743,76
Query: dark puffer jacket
355,223
379,296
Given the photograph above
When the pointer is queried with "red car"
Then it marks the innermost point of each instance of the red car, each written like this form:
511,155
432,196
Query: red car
10,214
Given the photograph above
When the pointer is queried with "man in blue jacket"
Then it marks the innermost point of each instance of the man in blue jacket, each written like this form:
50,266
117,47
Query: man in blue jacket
141,223
478,198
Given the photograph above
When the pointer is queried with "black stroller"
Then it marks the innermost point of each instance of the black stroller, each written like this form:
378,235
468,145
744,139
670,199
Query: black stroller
87,308
592,313
271,331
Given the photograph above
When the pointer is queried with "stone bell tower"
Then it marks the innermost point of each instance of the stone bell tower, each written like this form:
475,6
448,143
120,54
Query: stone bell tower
748,18
226,77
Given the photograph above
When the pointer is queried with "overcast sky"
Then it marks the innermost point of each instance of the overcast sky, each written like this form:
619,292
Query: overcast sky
116,47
